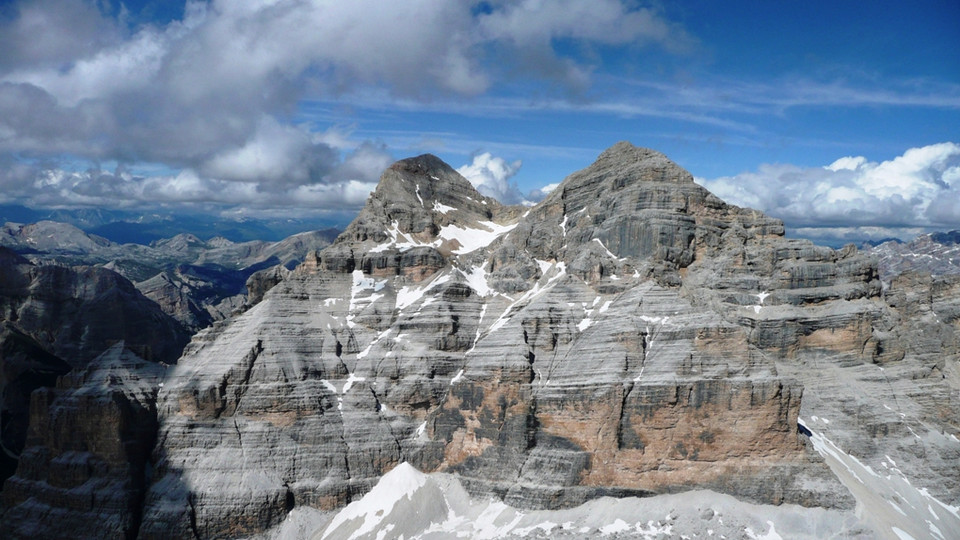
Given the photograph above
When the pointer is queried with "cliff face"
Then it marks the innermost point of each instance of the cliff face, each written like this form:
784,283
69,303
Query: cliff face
83,471
622,337
630,335
56,318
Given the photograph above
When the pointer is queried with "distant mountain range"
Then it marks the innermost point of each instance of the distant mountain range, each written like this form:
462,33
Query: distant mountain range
125,227
937,253
187,276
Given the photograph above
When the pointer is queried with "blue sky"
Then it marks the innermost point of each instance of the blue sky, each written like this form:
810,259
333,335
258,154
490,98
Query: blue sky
294,107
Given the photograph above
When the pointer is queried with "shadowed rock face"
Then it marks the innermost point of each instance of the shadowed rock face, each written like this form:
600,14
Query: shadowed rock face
77,313
83,472
55,318
630,335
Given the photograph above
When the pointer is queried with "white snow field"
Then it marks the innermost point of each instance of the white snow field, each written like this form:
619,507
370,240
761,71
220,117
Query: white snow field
407,504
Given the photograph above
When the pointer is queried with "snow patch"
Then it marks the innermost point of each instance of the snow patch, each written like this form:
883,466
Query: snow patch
470,239
442,208
456,378
376,340
617,526
770,535
477,279
407,296
350,380
362,284
902,535
609,253
402,482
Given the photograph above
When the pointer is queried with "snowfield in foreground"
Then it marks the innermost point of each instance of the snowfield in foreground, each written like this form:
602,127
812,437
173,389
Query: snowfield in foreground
412,505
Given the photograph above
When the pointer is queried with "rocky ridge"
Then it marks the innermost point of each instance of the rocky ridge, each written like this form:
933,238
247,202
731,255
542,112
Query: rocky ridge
85,467
55,319
195,281
630,335
936,253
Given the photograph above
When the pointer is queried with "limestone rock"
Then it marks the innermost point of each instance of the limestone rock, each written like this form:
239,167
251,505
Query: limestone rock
937,253
84,469
632,334
54,318
546,356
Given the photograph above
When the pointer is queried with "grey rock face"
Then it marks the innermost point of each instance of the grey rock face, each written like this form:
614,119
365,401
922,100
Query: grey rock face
937,253
195,281
83,471
630,335
24,366
54,319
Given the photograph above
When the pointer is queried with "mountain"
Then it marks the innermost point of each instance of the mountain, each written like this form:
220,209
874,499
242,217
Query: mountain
95,489
630,336
197,282
54,319
937,253
131,227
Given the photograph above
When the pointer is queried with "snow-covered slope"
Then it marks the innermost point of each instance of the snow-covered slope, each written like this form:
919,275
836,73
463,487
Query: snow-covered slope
409,504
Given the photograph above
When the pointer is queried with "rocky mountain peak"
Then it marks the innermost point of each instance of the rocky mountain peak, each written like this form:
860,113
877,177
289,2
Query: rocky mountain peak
632,334
429,182
421,212
625,163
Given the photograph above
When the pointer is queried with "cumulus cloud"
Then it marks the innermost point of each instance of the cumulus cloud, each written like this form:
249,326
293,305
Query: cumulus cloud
491,176
211,94
344,184
910,192
541,193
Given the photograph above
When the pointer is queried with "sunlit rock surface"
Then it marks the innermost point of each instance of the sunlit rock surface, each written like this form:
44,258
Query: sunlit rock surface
631,335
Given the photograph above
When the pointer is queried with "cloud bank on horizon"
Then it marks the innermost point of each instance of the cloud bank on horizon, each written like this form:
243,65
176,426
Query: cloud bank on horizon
854,198
297,106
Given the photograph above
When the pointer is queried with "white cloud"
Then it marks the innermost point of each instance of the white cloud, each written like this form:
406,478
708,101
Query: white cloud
212,94
276,154
491,176
237,183
918,189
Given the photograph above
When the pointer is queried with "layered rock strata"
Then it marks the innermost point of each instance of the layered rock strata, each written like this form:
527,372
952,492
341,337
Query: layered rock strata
54,319
622,337
631,334
84,468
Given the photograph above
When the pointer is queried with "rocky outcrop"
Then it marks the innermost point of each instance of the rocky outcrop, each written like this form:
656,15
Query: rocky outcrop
84,469
26,366
632,334
77,313
936,253
55,318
